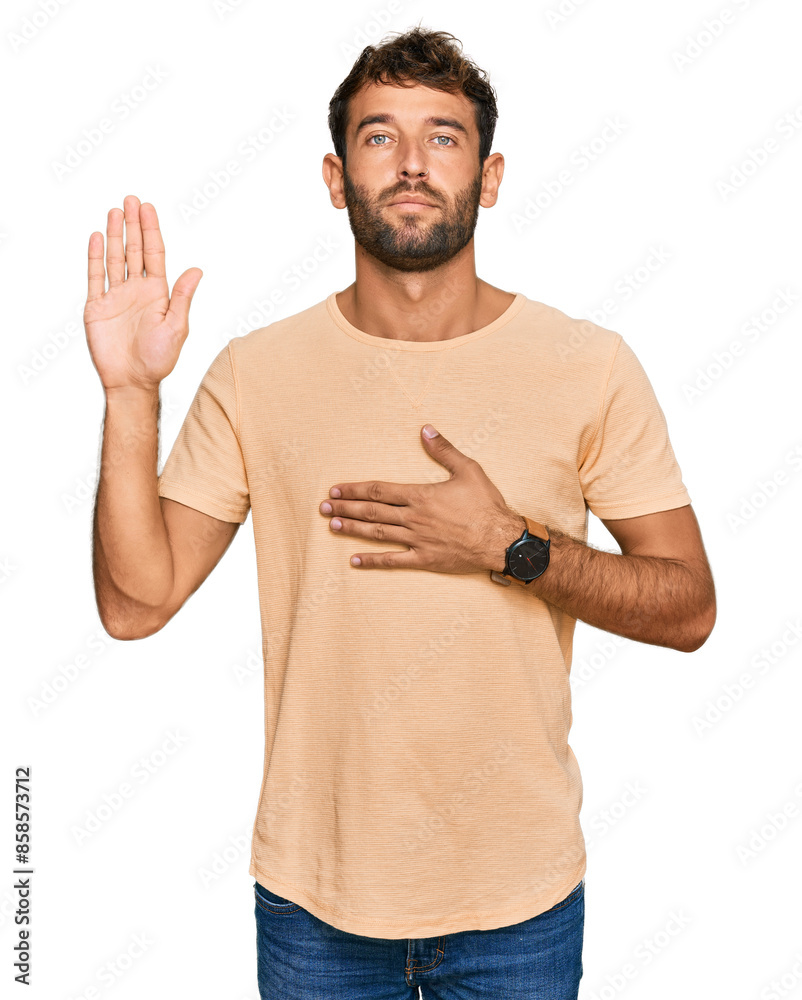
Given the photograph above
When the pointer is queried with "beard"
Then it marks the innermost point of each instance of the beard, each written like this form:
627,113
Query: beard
412,244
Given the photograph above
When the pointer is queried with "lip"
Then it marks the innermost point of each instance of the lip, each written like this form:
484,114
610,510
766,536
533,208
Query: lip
412,203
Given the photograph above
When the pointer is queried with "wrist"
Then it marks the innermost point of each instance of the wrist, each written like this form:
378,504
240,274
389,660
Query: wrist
133,404
510,528
132,391
526,559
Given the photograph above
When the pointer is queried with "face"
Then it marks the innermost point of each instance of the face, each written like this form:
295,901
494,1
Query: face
436,161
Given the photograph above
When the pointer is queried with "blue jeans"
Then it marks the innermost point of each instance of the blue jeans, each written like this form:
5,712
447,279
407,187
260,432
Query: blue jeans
300,957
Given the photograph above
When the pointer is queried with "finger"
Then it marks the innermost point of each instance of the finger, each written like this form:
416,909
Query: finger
115,255
445,452
152,241
385,560
96,270
393,533
133,236
391,493
181,299
365,510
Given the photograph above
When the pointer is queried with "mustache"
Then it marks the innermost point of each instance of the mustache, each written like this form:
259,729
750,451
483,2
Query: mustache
423,191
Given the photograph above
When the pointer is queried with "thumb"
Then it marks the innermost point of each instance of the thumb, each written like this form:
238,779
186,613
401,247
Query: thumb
183,291
441,450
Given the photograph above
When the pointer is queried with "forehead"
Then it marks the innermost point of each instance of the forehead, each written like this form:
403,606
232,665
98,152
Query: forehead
410,106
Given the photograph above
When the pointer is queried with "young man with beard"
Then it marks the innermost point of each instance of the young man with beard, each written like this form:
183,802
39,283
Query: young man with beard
418,821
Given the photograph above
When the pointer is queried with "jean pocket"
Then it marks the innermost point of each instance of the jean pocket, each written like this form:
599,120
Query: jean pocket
268,900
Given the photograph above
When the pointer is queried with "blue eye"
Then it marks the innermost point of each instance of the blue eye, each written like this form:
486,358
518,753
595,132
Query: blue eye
382,136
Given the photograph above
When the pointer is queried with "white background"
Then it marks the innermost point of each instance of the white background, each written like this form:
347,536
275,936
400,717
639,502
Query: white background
677,847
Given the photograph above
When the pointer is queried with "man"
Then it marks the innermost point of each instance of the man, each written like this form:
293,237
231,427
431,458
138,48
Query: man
418,822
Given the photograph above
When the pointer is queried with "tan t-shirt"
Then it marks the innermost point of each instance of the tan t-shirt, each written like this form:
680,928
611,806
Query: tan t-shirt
417,775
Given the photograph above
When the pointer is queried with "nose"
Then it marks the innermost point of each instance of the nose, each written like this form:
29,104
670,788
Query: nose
412,163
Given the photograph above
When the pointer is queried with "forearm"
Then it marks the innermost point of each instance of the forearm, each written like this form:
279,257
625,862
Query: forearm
132,557
665,602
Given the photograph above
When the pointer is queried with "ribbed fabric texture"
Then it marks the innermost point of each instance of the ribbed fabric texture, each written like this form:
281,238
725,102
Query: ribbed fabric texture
418,779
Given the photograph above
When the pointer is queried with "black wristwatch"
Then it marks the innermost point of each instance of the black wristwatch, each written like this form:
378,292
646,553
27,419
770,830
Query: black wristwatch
528,556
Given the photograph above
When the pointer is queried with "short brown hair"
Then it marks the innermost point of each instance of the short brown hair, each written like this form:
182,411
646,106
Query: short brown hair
418,56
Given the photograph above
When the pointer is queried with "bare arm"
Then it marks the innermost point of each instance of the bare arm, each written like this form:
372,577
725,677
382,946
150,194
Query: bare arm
659,590
150,553
196,544
131,552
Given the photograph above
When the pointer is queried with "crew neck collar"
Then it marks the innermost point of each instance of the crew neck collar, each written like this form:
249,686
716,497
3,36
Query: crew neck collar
416,345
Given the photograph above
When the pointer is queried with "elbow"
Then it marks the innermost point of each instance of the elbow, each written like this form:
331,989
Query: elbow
127,630
125,635
117,630
691,645
696,633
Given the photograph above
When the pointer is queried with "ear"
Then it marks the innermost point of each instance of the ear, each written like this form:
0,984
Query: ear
492,172
333,176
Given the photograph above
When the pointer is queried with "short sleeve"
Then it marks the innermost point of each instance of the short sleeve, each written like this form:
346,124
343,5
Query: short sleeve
630,468
205,468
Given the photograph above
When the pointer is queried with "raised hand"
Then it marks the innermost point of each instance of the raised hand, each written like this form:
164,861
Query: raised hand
135,330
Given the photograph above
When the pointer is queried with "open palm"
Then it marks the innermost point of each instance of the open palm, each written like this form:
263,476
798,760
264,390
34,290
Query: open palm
135,330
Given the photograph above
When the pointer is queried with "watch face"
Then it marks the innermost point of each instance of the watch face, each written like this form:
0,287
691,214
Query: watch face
529,559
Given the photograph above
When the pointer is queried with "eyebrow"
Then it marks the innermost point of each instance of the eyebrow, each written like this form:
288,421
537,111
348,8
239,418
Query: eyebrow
387,119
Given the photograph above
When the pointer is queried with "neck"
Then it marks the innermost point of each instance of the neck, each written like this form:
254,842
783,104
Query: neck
440,304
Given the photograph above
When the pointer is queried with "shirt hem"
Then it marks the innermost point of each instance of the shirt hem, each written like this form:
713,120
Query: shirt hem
472,920
199,502
639,508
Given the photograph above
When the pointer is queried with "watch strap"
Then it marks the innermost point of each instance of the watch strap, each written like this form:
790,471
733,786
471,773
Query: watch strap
536,528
